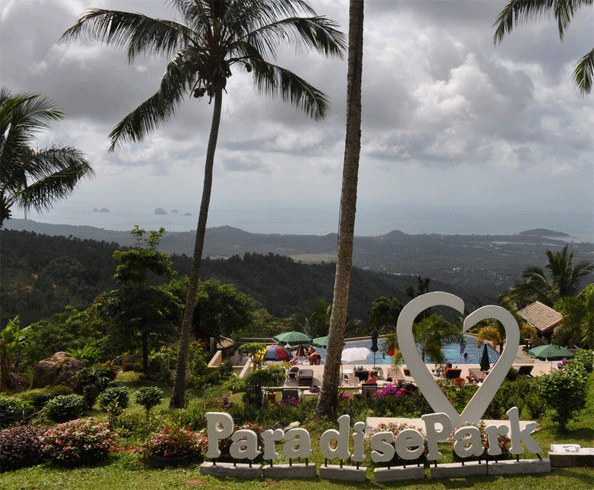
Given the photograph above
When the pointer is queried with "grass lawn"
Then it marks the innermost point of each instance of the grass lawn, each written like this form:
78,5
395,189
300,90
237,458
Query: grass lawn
124,471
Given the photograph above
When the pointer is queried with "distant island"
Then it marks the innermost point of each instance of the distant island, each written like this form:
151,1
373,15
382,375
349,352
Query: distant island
188,214
102,210
543,232
160,211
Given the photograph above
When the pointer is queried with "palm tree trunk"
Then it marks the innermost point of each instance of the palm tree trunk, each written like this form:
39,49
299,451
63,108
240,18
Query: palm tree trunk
348,206
179,385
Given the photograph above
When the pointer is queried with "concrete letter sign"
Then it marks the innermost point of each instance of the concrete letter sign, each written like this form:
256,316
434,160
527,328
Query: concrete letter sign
438,401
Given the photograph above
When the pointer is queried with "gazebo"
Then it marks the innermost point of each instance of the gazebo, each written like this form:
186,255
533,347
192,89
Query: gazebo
542,317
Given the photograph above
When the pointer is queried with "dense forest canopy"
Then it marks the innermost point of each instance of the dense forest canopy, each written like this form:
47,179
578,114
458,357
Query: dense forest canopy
42,274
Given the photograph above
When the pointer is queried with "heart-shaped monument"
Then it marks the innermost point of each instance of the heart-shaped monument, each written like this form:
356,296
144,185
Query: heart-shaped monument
428,386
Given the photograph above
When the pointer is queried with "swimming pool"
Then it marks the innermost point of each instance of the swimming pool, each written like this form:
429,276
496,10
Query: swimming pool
453,352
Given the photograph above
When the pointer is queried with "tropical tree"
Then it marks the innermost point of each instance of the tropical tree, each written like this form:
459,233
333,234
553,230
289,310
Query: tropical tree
432,333
12,338
564,280
31,178
494,332
140,309
384,313
348,205
577,326
217,35
519,11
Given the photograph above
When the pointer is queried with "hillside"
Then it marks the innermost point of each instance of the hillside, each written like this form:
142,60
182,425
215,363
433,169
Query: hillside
42,274
483,265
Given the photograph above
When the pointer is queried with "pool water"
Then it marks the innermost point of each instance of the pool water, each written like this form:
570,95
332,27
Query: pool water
453,352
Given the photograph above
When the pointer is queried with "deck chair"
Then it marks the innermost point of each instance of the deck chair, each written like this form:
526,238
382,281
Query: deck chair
453,373
525,370
478,375
368,390
305,377
290,393
293,372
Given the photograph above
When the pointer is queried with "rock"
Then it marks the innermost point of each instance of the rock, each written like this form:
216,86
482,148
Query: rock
59,369
160,211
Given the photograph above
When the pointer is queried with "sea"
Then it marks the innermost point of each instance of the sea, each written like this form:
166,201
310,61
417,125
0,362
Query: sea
322,219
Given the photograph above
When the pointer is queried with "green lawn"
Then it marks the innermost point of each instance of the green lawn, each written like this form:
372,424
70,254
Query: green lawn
124,471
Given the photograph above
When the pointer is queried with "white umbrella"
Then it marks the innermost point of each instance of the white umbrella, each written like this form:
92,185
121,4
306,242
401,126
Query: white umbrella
355,354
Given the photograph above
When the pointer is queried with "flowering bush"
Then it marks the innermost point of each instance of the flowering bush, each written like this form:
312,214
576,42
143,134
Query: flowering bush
459,381
389,391
225,403
78,442
171,442
503,442
20,447
396,429
290,402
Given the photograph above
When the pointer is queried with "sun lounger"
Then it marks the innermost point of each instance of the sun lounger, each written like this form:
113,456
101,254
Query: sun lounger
525,370
305,377
290,393
293,372
368,390
453,373
396,375
478,375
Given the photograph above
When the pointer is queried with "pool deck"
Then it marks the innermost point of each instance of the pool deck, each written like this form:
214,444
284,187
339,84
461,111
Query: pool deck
539,368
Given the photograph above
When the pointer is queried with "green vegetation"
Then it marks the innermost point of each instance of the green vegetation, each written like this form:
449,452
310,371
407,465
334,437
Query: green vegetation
32,178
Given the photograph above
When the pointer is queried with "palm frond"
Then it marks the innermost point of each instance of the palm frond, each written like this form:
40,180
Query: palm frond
55,172
139,32
274,80
584,72
157,109
316,33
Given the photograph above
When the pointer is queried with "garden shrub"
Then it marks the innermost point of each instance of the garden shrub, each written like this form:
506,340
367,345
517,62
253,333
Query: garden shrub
63,408
585,358
90,394
78,442
11,411
192,416
565,392
173,442
148,397
20,447
115,395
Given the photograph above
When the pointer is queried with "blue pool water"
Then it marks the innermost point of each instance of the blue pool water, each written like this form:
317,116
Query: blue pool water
452,352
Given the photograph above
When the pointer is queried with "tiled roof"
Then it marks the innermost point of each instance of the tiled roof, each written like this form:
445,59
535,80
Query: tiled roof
541,316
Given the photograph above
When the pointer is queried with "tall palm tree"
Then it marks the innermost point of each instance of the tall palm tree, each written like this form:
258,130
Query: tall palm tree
216,36
348,206
564,280
29,178
519,11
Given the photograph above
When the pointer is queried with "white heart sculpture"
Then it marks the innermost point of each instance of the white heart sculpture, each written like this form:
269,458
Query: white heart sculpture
428,386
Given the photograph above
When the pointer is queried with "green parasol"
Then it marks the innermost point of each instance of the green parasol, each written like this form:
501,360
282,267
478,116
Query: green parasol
550,353
292,338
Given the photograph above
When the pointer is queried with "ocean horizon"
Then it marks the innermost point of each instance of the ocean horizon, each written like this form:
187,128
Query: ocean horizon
322,220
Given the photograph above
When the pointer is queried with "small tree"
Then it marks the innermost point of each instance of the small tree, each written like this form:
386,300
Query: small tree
139,308
12,338
565,392
148,397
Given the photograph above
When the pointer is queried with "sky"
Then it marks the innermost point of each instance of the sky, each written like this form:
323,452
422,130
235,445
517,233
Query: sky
453,125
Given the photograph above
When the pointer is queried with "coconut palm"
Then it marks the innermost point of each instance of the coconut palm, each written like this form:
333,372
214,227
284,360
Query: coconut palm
564,280
519,11
216,37
348,205
30,178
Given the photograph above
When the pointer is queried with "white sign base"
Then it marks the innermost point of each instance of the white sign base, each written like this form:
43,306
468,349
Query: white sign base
287,472
399,473
239,470
459,470
344,473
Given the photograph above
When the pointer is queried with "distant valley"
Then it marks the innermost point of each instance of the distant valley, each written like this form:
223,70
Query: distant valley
483,265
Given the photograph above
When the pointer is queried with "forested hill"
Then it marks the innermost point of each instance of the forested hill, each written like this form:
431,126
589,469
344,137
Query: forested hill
42,274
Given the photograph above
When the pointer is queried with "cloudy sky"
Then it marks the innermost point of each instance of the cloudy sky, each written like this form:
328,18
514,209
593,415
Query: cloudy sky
450,121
